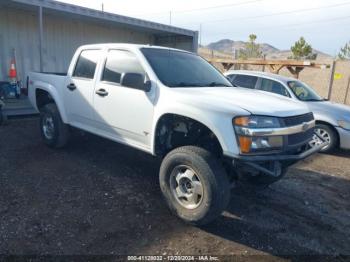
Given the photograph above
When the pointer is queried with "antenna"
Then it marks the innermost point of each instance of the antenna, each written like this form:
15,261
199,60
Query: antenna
103,7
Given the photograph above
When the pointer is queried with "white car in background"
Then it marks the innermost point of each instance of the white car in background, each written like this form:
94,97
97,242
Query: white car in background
332,119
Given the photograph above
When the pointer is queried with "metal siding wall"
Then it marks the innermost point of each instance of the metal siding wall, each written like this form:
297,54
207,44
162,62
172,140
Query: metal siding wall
180,42
18,29
62,36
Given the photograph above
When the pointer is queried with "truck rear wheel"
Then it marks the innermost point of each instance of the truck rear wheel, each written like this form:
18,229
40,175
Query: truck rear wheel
194,184
54,132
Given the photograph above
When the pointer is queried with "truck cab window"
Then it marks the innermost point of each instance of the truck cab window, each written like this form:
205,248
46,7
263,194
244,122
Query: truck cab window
273,87
179,69
245,81
86,64
119,62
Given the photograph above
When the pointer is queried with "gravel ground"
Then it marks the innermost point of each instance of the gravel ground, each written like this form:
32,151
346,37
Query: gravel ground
98,197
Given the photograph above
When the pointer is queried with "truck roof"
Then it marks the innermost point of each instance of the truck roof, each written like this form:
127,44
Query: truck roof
128,46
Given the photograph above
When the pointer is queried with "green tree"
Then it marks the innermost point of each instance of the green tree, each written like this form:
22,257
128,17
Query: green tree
251,49
345,52
302,50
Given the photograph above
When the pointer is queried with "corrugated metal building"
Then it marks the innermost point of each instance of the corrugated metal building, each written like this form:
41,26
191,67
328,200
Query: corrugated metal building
45,34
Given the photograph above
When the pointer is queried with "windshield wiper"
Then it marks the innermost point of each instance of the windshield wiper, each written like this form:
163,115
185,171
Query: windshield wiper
185,84
214,84
313,100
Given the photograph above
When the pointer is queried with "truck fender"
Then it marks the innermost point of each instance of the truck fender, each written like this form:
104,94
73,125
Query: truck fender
227,141
54,95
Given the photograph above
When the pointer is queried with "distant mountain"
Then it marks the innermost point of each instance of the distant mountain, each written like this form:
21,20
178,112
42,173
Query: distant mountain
228,46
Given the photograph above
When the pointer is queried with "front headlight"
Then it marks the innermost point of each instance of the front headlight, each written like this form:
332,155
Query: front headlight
344,124
257,122
254,144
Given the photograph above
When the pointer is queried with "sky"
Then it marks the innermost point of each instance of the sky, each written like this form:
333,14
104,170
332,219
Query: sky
325,24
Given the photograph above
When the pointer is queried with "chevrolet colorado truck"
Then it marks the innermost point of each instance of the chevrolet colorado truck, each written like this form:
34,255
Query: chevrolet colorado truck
175,105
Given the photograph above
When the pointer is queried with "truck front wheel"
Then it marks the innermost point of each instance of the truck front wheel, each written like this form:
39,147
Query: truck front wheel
194,184
54,132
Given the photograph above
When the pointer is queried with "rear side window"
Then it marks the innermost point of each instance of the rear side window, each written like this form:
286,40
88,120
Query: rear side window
245,81
273,87
119,62
86,64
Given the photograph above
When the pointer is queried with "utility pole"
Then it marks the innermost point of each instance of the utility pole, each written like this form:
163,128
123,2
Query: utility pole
331,80
347,91
200,34
41,39
103,7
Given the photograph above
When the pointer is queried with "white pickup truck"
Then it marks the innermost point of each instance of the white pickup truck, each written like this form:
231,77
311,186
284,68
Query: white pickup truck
175,105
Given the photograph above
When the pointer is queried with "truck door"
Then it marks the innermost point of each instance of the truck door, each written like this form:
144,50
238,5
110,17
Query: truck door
79,91
124,113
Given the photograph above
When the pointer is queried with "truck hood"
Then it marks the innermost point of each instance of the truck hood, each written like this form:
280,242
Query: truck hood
253,101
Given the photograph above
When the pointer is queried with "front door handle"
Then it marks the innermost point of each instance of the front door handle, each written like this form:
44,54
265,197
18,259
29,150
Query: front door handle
102,92
71,87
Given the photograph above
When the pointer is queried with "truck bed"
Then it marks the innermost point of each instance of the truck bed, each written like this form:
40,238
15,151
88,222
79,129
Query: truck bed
57,80
52,73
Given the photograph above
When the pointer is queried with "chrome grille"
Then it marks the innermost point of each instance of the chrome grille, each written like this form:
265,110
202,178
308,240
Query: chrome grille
300,138
297,120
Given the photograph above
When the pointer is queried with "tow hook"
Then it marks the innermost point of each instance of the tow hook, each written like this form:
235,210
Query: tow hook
276,172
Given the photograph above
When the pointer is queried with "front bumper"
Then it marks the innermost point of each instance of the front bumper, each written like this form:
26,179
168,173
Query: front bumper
344,138
274,164
281,157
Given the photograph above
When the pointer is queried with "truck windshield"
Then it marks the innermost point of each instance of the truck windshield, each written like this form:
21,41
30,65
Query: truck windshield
304,92
181,69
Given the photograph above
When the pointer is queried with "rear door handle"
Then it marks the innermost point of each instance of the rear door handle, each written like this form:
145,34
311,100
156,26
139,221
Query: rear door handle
71,87
102,92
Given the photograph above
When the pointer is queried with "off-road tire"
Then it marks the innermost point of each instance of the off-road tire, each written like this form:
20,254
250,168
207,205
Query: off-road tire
216,188
61,130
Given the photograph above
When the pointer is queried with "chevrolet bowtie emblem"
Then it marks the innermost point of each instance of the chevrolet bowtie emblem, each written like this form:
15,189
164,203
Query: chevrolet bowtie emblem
305,126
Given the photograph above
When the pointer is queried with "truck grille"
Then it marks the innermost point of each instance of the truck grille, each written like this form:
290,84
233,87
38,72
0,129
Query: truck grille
298,120
300,138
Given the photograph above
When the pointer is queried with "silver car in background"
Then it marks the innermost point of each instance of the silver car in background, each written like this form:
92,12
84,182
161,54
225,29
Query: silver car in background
332,119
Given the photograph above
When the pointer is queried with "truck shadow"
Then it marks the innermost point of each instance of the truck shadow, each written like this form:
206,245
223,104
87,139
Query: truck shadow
341,152
306,213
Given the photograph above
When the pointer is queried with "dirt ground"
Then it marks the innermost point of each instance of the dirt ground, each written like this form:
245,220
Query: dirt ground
98,197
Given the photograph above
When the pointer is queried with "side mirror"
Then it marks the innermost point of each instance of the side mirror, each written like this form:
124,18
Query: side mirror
136,81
